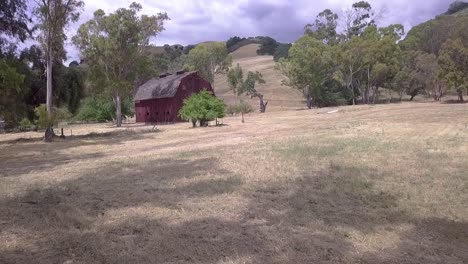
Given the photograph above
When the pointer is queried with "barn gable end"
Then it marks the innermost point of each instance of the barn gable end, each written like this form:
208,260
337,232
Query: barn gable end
159,100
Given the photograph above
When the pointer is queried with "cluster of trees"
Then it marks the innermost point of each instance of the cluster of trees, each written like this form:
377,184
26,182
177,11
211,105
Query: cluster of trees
353,66
23,85
115,59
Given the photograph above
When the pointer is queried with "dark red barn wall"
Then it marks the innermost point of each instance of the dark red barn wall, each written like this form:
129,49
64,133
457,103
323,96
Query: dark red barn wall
166,110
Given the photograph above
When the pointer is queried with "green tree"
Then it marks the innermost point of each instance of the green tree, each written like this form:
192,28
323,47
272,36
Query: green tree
114,47
248,88
358,18
202,107
54,16
453,65
235,78
308,67
209,59
268,46
282,51
324,27
381,58
14,20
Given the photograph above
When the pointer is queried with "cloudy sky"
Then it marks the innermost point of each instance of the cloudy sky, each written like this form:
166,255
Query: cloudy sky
194,21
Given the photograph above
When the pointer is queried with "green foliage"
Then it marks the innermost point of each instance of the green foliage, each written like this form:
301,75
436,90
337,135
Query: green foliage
268,46
453,65
324,28
43,118
95,109
233,41
431,35
202,107
358,18
99,109
240,86
456,7
112,46
209,59
46,120
308,67
26,125
235,77
330,67
282,51
14,19
53,17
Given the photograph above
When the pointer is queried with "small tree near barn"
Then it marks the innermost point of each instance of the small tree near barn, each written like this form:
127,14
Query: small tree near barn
202,107
248,88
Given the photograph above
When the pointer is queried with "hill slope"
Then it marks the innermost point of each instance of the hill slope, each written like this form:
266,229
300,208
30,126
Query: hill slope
279,97
430,35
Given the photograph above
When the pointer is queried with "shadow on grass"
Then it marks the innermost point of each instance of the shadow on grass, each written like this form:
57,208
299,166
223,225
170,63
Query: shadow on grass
454,102
25,157
140,212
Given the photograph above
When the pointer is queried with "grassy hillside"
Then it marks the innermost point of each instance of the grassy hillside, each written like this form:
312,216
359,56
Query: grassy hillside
280,97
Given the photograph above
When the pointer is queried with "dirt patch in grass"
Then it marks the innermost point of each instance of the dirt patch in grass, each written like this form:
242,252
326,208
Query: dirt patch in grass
384,184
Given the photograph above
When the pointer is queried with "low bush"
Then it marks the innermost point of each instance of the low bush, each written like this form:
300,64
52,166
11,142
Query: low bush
26,125
98,109
44,120
202,107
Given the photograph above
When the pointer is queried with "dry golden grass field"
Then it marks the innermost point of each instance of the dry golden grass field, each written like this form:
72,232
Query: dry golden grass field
368,184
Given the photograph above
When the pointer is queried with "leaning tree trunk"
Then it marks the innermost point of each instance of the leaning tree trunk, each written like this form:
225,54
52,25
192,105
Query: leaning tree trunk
118,110
49,132
263,104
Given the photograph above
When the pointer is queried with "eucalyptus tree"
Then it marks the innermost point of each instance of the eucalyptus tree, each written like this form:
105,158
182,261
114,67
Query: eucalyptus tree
358,18
209,59
115,48
308,67
54,16
325,27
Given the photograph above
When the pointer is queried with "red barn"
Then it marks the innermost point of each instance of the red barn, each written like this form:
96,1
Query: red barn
160,99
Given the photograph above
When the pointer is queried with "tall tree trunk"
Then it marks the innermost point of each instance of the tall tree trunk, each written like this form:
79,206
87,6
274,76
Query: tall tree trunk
49,132
49,84
309,100
351,88
374,94
118,110
460,94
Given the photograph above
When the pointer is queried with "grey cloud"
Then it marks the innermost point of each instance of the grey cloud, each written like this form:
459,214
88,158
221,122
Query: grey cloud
202,20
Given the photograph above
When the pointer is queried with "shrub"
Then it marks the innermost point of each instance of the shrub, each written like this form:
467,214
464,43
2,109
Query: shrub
26,125
202,107
98,109
44,120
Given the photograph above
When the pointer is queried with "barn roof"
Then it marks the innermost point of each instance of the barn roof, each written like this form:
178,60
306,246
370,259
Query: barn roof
165,87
